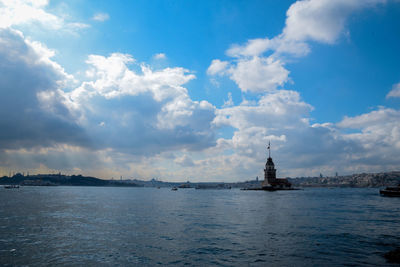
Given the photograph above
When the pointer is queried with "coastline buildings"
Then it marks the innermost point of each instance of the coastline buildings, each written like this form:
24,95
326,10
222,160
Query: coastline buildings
270,180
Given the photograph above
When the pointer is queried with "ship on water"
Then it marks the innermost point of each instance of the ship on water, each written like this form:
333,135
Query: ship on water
391,191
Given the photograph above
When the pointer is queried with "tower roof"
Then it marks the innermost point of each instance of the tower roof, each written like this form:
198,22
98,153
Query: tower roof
269,161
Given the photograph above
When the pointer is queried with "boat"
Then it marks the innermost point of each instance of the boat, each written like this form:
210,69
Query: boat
390,191
174,189
213,186
187,185
11,186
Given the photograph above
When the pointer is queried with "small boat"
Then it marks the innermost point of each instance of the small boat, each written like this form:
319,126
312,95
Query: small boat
174,189
185,186
391,191
11,186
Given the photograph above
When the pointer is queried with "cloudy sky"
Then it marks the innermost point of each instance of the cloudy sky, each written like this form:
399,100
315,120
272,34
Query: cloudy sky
194,90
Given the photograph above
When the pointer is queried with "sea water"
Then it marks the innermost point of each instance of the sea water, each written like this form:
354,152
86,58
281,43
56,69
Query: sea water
103,226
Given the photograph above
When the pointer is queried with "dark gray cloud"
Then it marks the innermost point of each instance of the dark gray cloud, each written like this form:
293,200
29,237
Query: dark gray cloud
129,125
44,125
23,74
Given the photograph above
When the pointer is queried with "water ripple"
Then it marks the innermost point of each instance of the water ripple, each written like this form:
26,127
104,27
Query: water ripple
64,226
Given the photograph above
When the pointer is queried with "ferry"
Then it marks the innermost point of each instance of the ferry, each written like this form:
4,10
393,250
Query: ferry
391,191
11,186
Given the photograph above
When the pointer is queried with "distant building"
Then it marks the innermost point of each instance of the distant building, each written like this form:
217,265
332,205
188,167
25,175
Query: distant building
270,175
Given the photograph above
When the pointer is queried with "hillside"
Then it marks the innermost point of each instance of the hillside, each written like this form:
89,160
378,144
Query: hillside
355,180
59,179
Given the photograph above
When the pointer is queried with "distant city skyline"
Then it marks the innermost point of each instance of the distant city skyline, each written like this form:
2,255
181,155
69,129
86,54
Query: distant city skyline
195,90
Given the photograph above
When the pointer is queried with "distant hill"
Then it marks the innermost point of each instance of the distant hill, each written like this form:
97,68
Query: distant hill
355,180
59,179
199,185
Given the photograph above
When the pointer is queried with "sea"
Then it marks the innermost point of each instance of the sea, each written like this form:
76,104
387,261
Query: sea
112,226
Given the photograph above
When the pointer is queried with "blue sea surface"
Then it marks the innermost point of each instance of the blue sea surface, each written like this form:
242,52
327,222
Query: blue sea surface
103,226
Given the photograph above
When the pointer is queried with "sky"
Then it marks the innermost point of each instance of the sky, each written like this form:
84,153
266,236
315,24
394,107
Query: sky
195,90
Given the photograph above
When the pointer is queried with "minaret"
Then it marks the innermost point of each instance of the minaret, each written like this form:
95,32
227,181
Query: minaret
269,171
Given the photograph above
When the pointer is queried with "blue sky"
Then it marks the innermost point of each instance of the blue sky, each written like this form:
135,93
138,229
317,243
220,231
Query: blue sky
195,89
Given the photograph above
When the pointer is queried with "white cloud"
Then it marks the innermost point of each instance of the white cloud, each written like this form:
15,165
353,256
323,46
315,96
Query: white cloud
395,92
300,148
77,25
290,47
19,12
321,20
229,102
280,109
255,74
259,74
182,111
253,47
376,117
308,20
379,127
278,45
150,111
378,138
184,161
112,78
101,17
217,67
160,56
273,118
14,13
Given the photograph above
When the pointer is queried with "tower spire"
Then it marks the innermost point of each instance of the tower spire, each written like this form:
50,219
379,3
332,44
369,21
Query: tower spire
269,149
